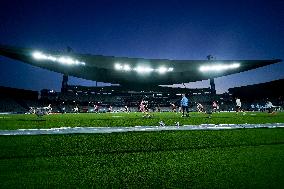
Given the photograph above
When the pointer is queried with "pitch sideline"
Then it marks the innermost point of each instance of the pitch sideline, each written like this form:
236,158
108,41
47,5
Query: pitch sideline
101,130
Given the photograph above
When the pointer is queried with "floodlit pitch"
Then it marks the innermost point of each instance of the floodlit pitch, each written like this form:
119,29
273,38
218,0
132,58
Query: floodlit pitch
134,119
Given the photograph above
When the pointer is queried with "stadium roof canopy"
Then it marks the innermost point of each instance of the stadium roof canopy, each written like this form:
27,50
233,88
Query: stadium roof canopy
130,71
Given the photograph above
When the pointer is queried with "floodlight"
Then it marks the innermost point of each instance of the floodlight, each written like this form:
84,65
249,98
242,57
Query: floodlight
141,69
126,67
38,55
162,70
65,60
59,59
235,65
54,59
218,67
117,66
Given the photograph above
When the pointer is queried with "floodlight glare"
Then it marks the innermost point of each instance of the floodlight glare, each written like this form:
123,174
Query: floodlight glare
141,68
66,60
38,55
218,67
61,59
126,67
118,66
162,70
170,69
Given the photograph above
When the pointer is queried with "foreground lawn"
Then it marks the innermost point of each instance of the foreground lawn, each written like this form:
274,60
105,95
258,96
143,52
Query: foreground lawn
182,159
132,119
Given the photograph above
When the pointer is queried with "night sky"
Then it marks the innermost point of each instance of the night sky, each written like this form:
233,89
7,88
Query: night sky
168,29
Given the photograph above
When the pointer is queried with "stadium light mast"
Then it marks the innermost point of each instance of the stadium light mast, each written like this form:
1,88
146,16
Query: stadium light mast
212,83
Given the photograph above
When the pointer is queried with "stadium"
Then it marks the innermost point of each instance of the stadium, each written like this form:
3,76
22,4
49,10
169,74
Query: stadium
101,137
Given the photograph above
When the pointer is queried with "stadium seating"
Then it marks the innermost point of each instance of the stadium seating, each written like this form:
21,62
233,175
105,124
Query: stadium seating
18,100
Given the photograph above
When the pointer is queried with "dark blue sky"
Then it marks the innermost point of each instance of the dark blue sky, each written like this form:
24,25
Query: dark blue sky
251,29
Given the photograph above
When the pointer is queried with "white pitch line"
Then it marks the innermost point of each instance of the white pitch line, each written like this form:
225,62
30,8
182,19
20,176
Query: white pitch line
94,130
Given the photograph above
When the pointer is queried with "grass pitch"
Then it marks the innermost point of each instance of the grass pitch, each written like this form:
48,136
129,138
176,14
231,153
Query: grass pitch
132,119
245,158
250,158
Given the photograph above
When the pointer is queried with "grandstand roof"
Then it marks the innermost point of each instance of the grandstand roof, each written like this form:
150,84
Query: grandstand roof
129,71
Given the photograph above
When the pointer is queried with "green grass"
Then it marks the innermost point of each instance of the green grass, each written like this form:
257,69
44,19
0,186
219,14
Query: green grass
247,158
132,119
